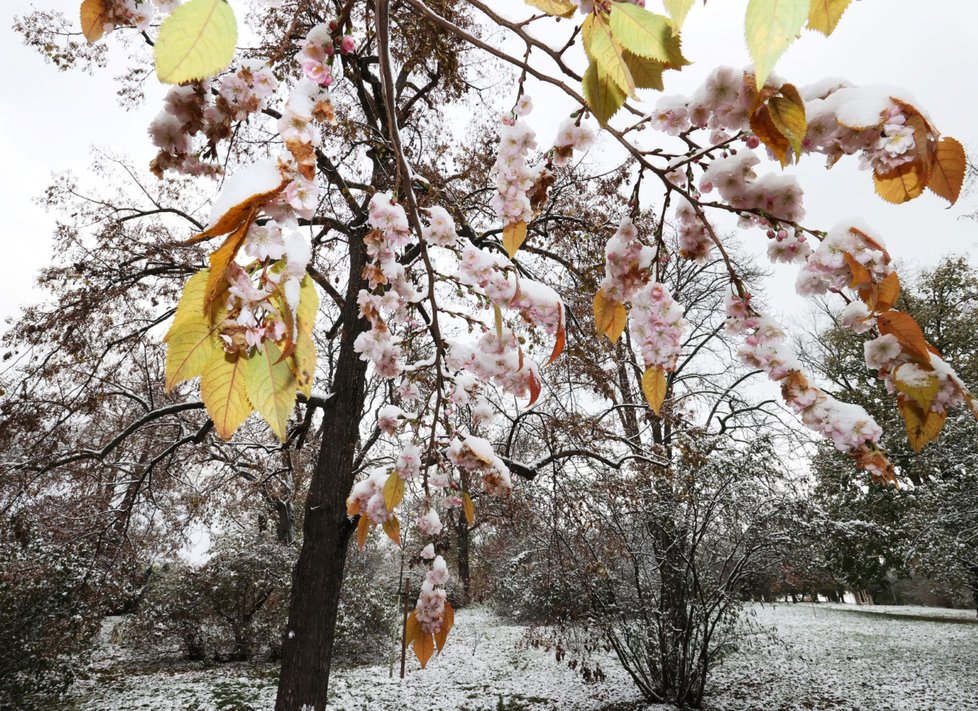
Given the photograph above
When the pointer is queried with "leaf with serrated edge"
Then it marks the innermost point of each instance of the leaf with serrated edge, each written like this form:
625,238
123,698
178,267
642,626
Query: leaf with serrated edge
647,73
189,350
514,234
303,363
561,340
393,491
947,169
412,628
271,387
610,317
605,51
93,19
654,387
823,15
770,27
222,388
195,41
677,9
645,34
764,128
555,8
922,427
604,98
922,394
308,306
220,259
900,185
190,308
907,332
363,529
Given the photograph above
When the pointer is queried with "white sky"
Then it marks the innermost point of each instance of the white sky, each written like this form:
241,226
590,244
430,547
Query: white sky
51,119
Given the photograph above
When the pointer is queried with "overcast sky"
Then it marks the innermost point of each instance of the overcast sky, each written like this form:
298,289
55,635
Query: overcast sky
52,119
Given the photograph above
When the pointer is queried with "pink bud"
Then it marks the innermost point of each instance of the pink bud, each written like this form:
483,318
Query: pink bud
329,50
347,45
752,142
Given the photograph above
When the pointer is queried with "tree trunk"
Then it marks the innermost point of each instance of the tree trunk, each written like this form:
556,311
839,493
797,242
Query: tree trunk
308,645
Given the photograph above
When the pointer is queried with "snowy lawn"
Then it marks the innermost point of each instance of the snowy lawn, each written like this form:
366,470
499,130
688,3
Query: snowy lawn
823,657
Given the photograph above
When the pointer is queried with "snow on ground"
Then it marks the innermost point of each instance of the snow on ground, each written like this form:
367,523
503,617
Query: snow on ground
830,657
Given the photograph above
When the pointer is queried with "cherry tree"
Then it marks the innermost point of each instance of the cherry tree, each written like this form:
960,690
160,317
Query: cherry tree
338,183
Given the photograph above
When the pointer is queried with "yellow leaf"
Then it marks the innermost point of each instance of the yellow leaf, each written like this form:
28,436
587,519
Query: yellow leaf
605,51
788,114
412,628
922,427
770,27
645,34
823,15
765,129
900,185
654,386
604,98
93,19
392,527
303,363
514,234
555,8
677,9
947,169
393,491
190,349
222,388
363,528
191,304
220,259
609,317
919,385
497,315
424,647
308,307
468,508
196,41
647,73
447,622
271,387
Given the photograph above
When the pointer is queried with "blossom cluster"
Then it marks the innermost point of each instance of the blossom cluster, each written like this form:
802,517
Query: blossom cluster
498,360
367,498
430,607
627,263
316,52
657,326
849,426
514,176
826,269
572,135
896,367
475,456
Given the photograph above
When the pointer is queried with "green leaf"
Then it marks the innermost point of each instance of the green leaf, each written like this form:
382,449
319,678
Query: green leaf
604,51
196,41
222,388
604,98
824,15
271,387
645,34
647,73
677,9
556,8
770,26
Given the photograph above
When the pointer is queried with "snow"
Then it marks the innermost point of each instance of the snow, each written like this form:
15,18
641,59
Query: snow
826,657
260,177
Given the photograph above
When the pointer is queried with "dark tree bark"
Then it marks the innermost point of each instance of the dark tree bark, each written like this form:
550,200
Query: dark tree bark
308,644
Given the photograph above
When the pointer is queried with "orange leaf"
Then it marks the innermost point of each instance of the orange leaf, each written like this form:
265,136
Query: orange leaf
392,527
412,628
447,622
424,647
907,332
244,211
352,507
887,292
468,508
535,388
861,277
561,341
900,185
947,169
654,386
93,20
363,528
221,259
765,129
514,234
609,317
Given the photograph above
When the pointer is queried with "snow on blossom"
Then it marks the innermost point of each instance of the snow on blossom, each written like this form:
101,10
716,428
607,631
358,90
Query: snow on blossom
627,263
657,326
475,455
440,230
429,523
572,135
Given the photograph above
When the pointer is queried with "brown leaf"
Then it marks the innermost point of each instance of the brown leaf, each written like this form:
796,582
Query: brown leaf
907,332
947,169
363,528
788,115
412,628
242,212
561,341
887,293
468,508
93,20
861,278
222,257
424,647
535,388
765,129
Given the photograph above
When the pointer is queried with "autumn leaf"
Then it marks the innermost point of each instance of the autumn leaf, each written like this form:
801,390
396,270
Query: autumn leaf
220,259
191,305
196,41
243,194
303,363
514,234
788,115
468,508
770,27
861,278
363,529
907,332
424,647
555,8
189,350
604,51
93,19
308,308
561,341
919,385
412,628
271,387
922,427
222,388
610,317
765,129
900,185
536,387
947,169
823,15
392,527
447,622
645,34
677,9
393,491
654,386
603,96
